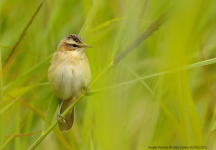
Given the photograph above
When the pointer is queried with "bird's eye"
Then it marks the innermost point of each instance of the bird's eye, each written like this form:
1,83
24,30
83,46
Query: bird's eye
74,45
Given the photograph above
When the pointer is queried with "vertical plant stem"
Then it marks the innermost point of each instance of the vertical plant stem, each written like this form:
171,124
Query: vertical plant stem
91,15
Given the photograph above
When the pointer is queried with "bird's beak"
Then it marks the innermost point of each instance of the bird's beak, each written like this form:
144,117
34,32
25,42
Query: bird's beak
88,46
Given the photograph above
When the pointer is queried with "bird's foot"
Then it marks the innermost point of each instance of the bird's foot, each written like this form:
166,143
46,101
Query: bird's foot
87,89
61,118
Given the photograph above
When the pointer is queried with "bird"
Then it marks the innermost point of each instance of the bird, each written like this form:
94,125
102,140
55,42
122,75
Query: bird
69,74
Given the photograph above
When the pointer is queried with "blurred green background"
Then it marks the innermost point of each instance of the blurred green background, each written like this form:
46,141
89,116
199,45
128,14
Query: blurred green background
174,109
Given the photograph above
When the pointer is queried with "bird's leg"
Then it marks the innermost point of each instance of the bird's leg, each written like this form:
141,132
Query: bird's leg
60,118
87,89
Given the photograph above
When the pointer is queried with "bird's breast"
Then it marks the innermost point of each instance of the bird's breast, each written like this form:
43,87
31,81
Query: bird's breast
67,78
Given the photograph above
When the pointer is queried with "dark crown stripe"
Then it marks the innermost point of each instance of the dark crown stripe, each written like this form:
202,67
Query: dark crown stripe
76,38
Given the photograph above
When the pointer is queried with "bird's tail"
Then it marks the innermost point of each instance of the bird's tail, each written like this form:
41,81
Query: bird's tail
69,118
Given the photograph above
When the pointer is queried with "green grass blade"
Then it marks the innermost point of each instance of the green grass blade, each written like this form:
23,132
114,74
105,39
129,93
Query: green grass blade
36,111
21,79
10,58
117,43
199,64
103,25
194,121
5,108
16,94
89,19
60,137
187,113
51,112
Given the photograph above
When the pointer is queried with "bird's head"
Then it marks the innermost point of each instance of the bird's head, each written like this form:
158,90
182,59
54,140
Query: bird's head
73,43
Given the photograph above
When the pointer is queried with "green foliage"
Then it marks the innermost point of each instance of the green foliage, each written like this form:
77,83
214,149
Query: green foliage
50,113
161,94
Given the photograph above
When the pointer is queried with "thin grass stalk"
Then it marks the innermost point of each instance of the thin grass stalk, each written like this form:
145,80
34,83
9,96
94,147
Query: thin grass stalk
198,64
22,135
9,59
51,111
1,104
93,11
147,33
